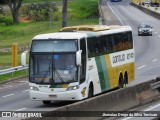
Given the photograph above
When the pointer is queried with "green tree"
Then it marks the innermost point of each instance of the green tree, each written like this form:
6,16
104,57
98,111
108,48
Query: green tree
14,6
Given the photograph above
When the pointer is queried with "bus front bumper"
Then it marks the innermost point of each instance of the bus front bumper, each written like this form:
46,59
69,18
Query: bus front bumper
73,95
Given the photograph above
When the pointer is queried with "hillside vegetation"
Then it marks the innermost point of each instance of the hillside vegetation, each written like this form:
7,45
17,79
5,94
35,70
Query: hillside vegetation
79,12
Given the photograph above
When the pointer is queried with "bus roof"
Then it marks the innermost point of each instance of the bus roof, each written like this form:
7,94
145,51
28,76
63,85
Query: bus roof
93,28
61,35
77,32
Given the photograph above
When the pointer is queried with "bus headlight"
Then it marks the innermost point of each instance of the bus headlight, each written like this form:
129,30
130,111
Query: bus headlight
34,88
73,88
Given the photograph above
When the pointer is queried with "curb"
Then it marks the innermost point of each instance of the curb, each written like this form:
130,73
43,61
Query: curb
147,11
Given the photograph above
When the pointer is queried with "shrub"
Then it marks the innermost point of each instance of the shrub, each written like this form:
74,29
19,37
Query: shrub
84,8
6,20
39,11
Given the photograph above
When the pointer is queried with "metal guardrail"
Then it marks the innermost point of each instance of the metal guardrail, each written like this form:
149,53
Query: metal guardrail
155,85
18,68
14,69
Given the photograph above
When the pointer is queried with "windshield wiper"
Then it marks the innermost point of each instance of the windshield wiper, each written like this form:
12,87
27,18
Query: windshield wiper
54,68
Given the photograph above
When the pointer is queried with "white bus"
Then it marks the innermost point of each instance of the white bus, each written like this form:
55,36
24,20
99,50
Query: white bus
79,62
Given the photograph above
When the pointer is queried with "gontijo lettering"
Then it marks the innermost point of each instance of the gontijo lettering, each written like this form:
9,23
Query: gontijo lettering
121,58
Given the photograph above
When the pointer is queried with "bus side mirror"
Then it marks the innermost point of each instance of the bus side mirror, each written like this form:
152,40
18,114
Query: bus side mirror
23,58
78,57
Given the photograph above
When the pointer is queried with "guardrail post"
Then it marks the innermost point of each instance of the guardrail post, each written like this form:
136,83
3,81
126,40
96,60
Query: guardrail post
14,55
100,21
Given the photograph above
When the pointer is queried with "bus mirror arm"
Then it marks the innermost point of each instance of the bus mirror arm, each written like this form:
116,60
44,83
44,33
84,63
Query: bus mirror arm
78,57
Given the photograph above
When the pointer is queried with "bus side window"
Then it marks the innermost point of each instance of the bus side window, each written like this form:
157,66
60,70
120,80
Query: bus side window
124,38
83,66
91,51
104,44
130,43
111,44
97,46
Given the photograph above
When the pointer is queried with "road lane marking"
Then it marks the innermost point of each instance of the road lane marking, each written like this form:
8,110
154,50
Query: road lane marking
7,95
7,85
144,110
115,14
23,81
21,109
141,67
154,60
25,90
152,107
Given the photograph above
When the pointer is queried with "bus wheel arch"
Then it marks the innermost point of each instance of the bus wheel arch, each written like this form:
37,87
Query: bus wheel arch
46,102
90,90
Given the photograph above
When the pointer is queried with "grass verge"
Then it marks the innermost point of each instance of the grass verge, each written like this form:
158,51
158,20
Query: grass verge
13,75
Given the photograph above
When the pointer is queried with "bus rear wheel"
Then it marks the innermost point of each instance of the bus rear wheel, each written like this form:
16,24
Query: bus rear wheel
125,80
46,102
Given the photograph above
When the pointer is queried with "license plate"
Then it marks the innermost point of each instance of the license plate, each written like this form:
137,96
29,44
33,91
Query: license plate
52,96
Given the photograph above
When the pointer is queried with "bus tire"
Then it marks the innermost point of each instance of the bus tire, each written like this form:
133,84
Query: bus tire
120,85
90,91
125,80
46,102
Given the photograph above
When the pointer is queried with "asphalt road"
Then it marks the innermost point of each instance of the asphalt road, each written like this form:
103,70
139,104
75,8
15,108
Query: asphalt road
147,52
145,112
14,95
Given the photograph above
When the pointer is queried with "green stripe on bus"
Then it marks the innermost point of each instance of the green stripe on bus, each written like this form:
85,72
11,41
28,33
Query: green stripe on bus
100,73
55,86
105,72
59,86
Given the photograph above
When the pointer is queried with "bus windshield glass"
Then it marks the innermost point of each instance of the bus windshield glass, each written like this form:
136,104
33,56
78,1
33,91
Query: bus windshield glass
53,68
54,45
53,61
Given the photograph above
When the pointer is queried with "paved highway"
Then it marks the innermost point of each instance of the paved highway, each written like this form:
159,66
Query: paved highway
150,111
14,95
147,52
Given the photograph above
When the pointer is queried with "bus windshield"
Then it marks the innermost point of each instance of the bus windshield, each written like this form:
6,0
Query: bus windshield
55,68
53,61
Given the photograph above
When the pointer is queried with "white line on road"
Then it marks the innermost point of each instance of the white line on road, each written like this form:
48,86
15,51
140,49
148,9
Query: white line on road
152,107
7,95
115,13
7,85
154,60
21,109
143,110
4,87
25,90
141,67
23,81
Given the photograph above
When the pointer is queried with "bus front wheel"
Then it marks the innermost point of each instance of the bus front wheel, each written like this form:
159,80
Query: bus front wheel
90,91
46,102
120,85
